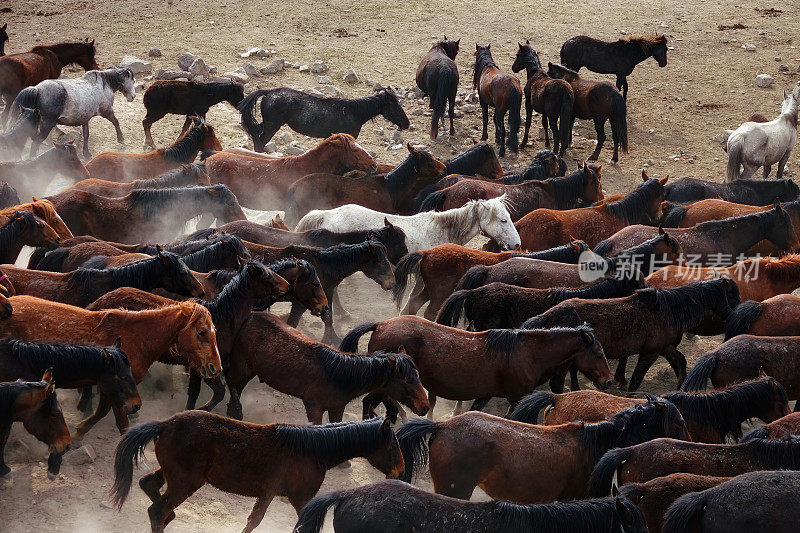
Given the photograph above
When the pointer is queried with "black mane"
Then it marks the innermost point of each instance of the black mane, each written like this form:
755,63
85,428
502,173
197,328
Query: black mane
11,232
340,259
586,516
606,288
361,372
182,150
465,162
569,188
139,274
566,253
631,208
226,246
223,306
503,341
684,307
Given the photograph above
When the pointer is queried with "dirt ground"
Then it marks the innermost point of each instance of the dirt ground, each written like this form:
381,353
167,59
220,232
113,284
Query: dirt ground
673,115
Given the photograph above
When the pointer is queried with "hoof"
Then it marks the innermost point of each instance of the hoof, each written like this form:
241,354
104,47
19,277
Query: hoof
51,476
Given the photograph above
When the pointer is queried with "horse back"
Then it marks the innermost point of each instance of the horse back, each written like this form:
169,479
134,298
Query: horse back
18,71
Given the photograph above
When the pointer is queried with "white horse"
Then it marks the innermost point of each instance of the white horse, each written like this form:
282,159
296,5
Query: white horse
73,102
427,229
756,144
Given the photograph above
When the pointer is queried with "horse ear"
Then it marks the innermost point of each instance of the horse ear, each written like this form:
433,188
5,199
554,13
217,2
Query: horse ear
761,372
386,426
106,356
598,168
411,149
386,223
477,47
527,41
392,362
184,166
587,337
118,342
212,191
663,181
48,375
645,177
5,26
521,46
402,349
458,42
91,43
619,507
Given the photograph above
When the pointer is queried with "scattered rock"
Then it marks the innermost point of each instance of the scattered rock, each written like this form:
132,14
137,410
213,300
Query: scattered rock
332,90
162,74
81,456
417,92
417,112
137,66
284,137
469,108
303,68
323,80
186,59
273,67
458,113
199,68
249,69
764,80
294,149
239,77
319,67
271,147
397,137
154,52
778,59
749,47
783,68
350,76
253,52
472,98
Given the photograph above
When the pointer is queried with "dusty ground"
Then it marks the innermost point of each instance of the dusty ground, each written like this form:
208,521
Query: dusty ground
673,115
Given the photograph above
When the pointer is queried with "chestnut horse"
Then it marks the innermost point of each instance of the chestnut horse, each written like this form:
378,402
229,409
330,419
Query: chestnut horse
257,461
24,69
653,322
124,167
664,456
774,317
501,91
186,325
43,209
780,429
552,98
262,183
24,229
390,193
546,228
582,186
324,379
144,215
186,175
461,365
34,403
710,416
437,76
601,102
523,463
440,268
396,507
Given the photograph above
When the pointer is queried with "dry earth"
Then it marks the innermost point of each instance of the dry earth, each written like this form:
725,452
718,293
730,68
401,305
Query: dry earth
673,115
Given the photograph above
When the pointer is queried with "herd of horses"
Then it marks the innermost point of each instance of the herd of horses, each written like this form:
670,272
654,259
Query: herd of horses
115,284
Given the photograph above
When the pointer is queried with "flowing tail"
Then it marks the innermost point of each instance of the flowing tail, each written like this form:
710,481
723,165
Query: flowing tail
450,312
434,201
444,87
246,108
619,122
528,408
734,161
605,471
514,119
700,374
408,264
683,512
565,121
474,278
350,341
413,439
604,248
130,451
674,217
741,319
312,516
27,97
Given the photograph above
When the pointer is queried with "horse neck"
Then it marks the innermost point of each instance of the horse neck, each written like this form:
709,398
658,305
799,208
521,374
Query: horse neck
402,177
460,224
790,115
634,53
237,299
481,65
366,108
155,330
748,231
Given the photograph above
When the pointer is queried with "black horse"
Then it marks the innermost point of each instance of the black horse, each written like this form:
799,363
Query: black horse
185,98
545,165
437,76
393,506
315,116
618,58
3,39
750,192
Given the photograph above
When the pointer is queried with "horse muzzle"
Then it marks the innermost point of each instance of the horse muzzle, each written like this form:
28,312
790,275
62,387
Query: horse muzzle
602,385
421,410
319,310
210,371
133,405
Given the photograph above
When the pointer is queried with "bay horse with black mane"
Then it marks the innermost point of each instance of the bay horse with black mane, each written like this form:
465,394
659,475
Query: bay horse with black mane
750,192
780,429
710,417
479,160
552,98
524,463
257,461
186,175
122,167
24,69
619,58
599,101
397,507
34,403
654,321
437,76
501,91
774,317
316,116
188,98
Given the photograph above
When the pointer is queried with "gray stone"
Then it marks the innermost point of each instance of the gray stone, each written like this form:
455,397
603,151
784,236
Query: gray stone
417,112
319,67
186,59
284,137
199,68
749,47
324,80
137,66
303,68
81,456
271,147
397,137
273,67
469,108
294,149
458,113
252,52
472,98
313,92
332,90
249,69
783,68
764,80
350,76
162,74
154,52
239,77
417,92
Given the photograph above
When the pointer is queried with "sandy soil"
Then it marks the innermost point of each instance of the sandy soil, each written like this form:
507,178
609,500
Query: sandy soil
673,115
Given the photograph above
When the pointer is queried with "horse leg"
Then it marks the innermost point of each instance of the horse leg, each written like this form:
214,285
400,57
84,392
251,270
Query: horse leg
193,391
151,484
546,132
147,123
112,118
644,363
748,171
235,403
485,117
85,403
554,128
329,336
416,300
5,430
218,394
499,133
619,374
336,414
480,404
336,304
85,132
601,138
625,88
557,382
103,407
46,126
162,511
186,124
314,413
451,113
621,86
574,385
677,361
431,404
767,169
258,512
782,165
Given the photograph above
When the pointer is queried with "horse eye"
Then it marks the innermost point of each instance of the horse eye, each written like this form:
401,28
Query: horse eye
202,332
503,221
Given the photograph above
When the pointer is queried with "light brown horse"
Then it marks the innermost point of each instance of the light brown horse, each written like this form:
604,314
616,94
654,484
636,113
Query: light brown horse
186,175
43,209
501,91
123,167
262,182
146,335
778,316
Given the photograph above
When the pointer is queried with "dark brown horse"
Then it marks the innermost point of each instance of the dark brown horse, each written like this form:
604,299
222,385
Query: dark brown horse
397,507
186,175
437,76
599,101
581,187
552,98
390,193
780,429
751,192
325,379
653,322
619,57
461,365
523,463
774,317
501,91
24,69
123,167
35,405
194,448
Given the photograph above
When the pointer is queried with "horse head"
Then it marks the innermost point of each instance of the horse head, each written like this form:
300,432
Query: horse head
450,47
198,340
393,111
495,222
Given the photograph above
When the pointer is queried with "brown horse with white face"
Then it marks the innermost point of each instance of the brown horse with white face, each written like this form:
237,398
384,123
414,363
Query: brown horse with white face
501,91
